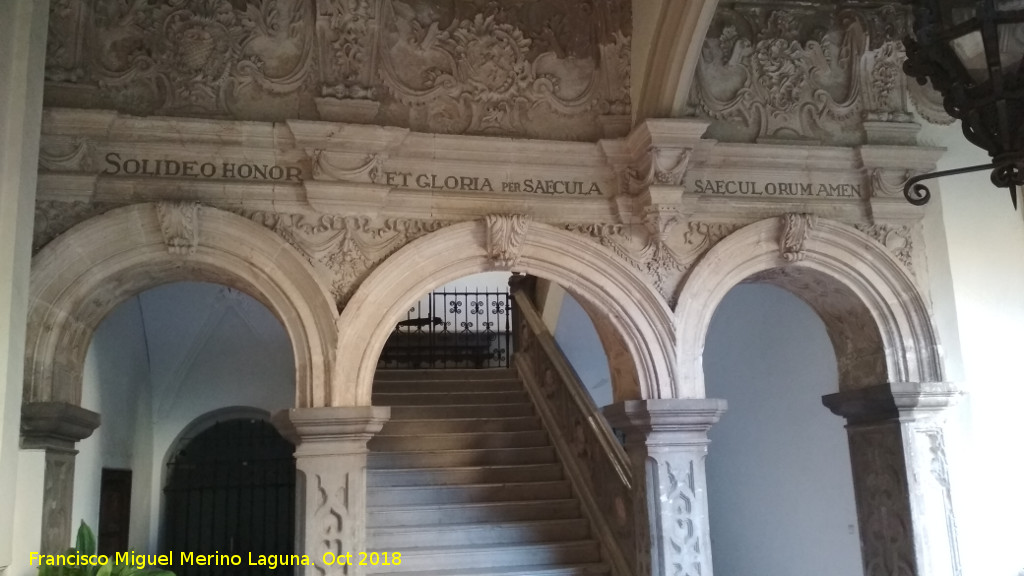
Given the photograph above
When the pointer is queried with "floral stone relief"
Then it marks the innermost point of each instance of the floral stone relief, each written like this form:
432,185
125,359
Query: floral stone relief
803,73
535,68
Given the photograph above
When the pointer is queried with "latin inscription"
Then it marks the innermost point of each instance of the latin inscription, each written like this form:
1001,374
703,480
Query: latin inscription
550,187
116,165
752,188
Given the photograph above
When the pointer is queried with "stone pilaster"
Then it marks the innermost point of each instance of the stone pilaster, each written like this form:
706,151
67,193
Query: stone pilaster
667,442
55,427
330,457
901,477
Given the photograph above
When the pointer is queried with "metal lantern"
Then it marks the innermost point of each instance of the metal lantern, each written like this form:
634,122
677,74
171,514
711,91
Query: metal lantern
972,50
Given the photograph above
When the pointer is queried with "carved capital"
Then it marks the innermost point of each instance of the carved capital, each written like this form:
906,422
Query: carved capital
505,236
678,423
56,425
331,431
892,401
179,224
795,230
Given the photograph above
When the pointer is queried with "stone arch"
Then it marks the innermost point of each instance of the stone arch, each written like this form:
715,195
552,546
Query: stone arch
77,279
875,315
587,270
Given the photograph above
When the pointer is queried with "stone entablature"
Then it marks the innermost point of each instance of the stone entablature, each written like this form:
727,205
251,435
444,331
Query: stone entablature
347,196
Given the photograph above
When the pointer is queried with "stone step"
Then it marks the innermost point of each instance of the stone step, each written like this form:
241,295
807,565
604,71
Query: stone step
412,426
468,493
415,560
454,374
458,441
463,475
401,386
439,515
445,412
461,458
431,398
590,569
477,535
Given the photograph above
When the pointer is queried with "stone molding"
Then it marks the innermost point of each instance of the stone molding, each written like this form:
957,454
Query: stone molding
896,434
56,425
584,268
880,304
667,443
72,292
522,70
330,457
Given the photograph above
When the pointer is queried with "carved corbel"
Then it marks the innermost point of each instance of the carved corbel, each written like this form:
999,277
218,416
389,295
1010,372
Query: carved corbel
659,166
179,224
328,167
795,230
505,236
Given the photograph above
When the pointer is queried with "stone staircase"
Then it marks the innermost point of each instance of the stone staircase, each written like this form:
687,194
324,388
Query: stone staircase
464,481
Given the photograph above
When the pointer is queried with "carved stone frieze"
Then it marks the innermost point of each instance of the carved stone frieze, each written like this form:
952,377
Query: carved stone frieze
332,515
888,183
344,248
897,239
543,69
74,155
179,224
665,252
53,218
505,235
940,472
802,72
659,166
795,229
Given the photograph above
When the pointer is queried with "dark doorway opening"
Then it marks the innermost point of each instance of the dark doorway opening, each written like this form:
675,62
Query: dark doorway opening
231,490
115,511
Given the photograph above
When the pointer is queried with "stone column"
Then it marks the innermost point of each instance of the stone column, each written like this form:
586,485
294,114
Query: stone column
667,442
330,456
901,477
55,427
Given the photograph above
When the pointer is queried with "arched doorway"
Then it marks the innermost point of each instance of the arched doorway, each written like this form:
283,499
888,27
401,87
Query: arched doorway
231,490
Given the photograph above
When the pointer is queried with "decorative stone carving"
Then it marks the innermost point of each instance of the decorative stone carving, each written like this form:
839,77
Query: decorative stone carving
940,471
888,183
330,456
54,218
659,166
928,103
663,256
56,427
345,248
795,229
543,69
368,171
179,225
598,466
801,72
505,234
73,156
898,461
667,443
897,239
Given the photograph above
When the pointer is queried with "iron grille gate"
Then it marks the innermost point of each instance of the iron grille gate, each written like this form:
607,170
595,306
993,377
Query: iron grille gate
232,491
453,330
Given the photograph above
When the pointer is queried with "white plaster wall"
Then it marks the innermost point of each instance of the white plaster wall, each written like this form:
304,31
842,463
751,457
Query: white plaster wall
204,347
22,54
780,489
116,370
980,314
578,339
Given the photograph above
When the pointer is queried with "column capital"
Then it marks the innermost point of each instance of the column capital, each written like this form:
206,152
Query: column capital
332,430
56,425
892,401
669,422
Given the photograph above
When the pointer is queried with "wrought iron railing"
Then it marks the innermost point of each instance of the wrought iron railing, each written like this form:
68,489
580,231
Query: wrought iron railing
452,330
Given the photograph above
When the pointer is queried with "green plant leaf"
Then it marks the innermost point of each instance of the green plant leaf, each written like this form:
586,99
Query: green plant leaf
105,569
85,542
